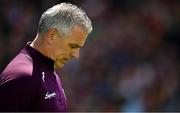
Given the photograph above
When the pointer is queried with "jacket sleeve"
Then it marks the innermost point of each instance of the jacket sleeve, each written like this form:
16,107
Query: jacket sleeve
17,94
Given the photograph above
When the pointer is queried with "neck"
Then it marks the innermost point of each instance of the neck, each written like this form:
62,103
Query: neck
38,45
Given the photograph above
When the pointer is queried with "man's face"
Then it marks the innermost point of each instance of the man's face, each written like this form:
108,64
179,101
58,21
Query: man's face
66,48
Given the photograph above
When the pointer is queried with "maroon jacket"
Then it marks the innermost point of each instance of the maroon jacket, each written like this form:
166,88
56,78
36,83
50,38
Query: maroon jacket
29,83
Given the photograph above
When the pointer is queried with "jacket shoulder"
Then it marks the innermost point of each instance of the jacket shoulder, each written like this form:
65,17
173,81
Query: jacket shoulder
21,66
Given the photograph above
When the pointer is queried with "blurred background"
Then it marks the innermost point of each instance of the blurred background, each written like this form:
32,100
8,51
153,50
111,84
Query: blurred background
130,61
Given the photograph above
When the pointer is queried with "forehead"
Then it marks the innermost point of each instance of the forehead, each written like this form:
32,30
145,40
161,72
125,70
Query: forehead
78,36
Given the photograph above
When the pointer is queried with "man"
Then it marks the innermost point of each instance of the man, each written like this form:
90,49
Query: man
29,82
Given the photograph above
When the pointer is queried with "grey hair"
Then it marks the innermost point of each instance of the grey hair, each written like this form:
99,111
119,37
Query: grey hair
63,17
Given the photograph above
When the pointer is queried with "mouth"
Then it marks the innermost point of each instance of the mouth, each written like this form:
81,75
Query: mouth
65,60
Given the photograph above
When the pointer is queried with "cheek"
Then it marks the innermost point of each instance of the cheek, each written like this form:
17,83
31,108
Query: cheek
61,51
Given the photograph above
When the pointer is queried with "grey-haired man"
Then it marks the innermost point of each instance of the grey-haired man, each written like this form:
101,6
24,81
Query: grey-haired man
29,82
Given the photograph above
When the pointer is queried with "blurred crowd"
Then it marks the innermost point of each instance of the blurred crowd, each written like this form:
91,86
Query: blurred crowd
130,62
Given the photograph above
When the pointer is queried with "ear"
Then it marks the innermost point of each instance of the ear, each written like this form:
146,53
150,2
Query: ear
51,35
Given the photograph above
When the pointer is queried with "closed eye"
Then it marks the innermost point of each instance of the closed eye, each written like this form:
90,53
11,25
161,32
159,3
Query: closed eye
75,46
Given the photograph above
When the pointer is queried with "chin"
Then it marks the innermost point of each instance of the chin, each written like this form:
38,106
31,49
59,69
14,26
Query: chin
58,66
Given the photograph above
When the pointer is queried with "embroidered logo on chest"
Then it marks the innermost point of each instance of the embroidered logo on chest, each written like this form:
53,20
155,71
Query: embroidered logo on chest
50,95
43,76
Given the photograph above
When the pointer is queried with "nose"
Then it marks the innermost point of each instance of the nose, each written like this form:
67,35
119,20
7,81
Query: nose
75,53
